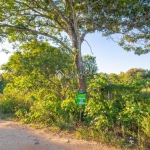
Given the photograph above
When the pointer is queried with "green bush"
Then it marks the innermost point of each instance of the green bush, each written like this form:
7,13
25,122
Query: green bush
7,106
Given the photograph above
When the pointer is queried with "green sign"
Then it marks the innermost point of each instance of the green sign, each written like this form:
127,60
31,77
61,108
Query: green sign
81,99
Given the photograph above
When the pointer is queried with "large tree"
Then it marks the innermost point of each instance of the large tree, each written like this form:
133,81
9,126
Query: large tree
22,20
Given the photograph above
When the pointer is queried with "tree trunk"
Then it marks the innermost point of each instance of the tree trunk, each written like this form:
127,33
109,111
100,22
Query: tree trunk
76,44
79,67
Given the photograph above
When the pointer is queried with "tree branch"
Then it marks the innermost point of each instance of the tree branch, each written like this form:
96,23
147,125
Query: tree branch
74,17
42,15
89,46
58,12
37,32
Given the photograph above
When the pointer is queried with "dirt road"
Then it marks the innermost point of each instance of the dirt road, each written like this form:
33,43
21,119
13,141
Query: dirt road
14,136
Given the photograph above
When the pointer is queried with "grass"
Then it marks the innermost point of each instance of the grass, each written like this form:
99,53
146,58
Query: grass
107,137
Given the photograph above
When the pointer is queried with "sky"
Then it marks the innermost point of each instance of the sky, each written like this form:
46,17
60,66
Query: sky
110,57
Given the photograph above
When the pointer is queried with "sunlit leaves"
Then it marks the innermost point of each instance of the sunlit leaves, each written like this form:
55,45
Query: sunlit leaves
40,57
126,17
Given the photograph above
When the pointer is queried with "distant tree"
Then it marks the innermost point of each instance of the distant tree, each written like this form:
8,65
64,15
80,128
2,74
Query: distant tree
90,65
114,78
135,73
38,57
147,73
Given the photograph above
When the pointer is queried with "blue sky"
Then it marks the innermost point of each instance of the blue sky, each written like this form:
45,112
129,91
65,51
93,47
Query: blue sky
110,57
4,57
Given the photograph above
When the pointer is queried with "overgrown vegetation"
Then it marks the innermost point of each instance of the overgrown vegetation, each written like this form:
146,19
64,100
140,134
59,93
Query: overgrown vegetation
118,106
117,110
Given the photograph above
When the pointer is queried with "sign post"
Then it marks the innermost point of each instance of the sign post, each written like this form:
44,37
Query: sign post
81,100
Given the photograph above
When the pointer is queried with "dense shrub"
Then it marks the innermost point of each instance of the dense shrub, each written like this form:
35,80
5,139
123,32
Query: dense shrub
123,116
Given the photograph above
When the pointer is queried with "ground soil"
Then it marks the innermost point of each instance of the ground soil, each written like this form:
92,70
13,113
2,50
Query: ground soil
16,136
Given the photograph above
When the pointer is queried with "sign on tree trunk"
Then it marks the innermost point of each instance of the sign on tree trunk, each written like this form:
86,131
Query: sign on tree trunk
81,99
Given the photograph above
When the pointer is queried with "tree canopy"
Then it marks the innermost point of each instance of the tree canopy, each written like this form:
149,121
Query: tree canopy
22,19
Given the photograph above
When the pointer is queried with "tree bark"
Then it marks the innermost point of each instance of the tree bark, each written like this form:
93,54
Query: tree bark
79,67
80,72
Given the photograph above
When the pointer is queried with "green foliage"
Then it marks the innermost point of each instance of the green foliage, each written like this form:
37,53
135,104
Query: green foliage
117,108
2,83
38,57
126,113
7,106
43,111
145,124
90,66
49,19
52,20
69,107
